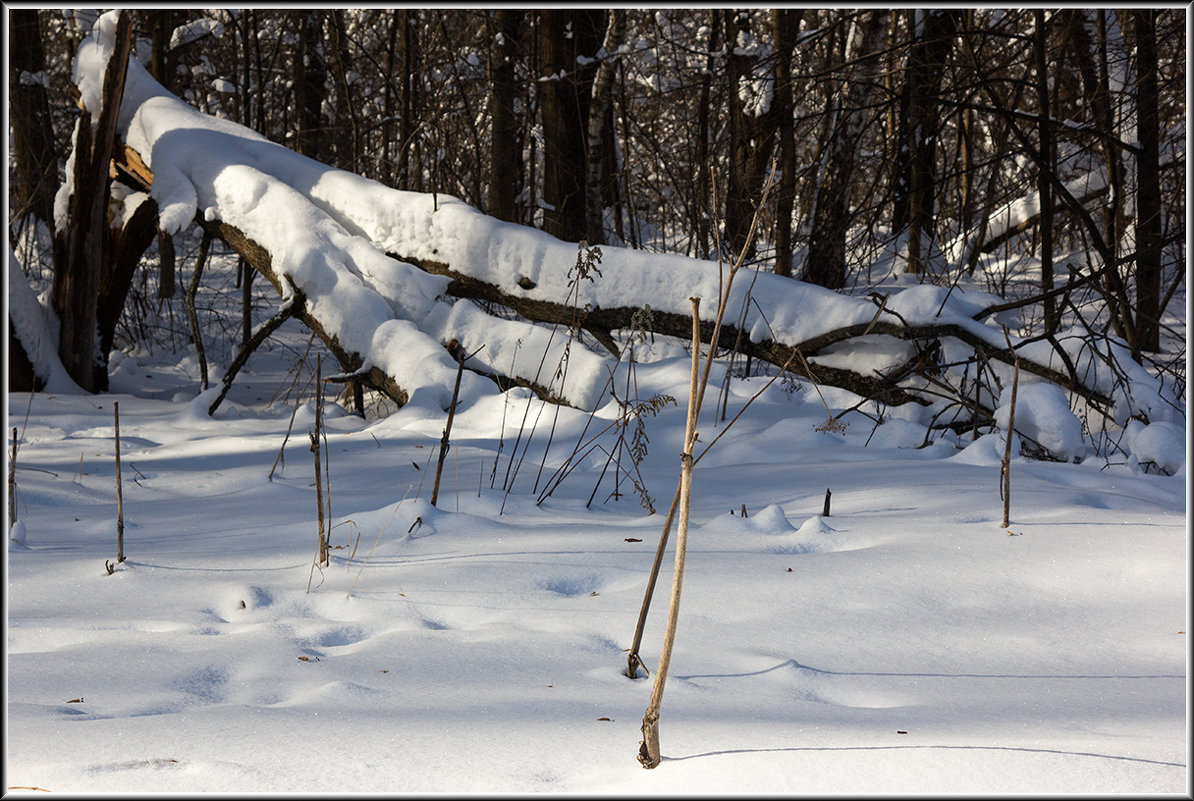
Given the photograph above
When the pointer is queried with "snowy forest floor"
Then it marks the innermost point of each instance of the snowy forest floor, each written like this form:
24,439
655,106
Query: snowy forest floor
906,643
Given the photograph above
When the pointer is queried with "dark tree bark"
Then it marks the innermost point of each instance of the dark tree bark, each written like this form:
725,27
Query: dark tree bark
163,61
786,29
408,124
310,76
22,377
34,151
1148,185
1045,136
385,168
124,250
347,127
80,258
505,158
919,125
704,209
600,130
565,88
826,261
751,140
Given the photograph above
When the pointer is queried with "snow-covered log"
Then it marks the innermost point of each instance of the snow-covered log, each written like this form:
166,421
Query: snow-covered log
380,270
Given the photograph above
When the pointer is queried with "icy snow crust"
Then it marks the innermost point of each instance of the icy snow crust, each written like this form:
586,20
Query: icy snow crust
330,231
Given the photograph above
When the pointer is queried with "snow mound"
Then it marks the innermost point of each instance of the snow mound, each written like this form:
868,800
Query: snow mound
17,535
987,450
771,518
1163,444
815,525
1043,415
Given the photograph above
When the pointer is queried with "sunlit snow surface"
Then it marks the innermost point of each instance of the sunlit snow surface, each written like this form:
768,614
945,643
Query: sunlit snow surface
907,643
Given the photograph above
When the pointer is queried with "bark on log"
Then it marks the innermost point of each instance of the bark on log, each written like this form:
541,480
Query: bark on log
877,387
350,361
886,388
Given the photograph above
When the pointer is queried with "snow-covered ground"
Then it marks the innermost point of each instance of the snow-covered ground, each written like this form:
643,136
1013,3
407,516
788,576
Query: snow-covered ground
905,643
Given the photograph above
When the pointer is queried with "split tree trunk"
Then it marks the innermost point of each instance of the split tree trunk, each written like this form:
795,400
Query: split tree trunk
81,250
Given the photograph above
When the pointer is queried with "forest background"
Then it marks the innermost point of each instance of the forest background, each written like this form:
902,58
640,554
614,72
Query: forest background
1036,151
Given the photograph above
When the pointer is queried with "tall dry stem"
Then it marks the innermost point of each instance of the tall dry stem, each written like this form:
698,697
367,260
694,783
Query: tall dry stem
633,660
1005,469
12,482
119,489
649,754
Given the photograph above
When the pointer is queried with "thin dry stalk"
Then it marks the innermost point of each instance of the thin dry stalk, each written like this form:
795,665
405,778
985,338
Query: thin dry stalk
281,457
649,754
315,449
633,660
444,443
1005,469
119,489
12,482
383,531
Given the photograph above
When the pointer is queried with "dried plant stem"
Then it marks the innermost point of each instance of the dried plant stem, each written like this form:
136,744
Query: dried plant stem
649,754
281,457
12,481
444,443
119,488
375,542
314,434
633,660
1005,469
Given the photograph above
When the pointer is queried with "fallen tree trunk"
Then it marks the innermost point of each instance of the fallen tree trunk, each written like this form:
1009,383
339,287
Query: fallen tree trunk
913,380
350,361
884,388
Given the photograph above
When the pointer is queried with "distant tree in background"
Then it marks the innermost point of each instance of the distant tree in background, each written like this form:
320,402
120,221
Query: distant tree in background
901,138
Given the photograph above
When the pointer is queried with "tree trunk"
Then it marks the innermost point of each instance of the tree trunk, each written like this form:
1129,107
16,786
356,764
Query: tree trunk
78,274
1045,137
408,125
704,209
565,96
786,29
505,155
919,123
751,139
826,261
162,61
1148,185
126,247
385,169
310,90
34,152
347,143
599,129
